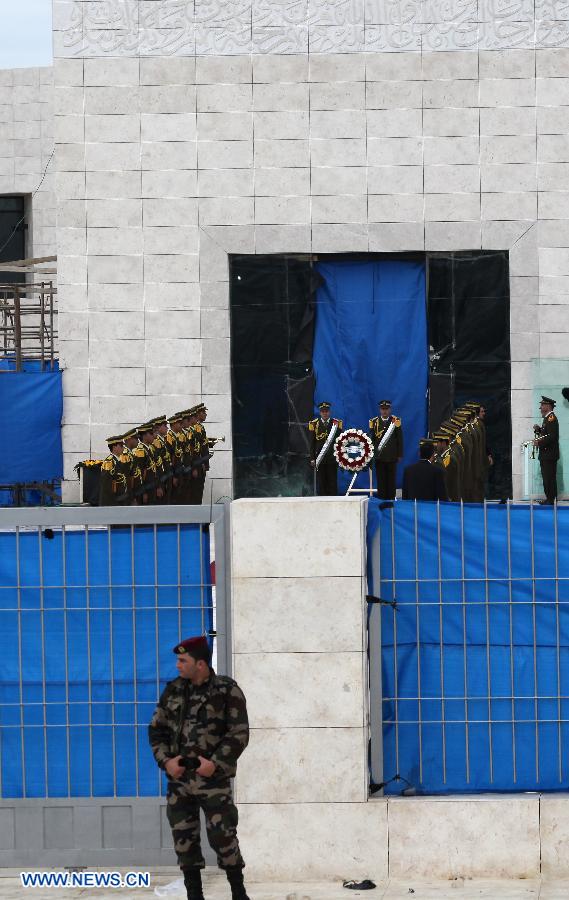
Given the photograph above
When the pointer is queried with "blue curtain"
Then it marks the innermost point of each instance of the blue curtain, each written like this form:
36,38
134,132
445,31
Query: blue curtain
32,404
475,658
370,343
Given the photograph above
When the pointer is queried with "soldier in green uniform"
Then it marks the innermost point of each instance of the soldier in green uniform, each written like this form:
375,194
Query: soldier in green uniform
547,441
204,448
115,471
182,474
447,459
387,435
458,421
136,481
198,732
162,453
323,433
193,467
144,457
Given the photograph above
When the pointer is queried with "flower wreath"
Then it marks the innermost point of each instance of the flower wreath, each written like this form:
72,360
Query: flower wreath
353,450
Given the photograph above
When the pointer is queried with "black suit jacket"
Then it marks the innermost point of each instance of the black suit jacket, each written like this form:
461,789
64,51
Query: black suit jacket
423,481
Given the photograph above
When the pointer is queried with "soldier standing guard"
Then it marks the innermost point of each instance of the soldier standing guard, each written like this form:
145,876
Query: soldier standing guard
198,731
387,435
162,452
115,471
323,432
144,456
547,441
201,416
136,480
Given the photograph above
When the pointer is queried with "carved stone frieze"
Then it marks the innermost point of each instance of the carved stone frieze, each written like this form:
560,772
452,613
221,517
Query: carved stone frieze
227,27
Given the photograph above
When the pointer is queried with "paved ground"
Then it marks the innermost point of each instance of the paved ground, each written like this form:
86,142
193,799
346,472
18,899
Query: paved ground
216,888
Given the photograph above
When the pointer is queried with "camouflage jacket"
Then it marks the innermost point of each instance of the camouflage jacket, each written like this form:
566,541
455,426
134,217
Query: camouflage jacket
207,720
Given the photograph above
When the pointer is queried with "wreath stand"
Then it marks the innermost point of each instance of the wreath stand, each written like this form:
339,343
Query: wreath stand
354,490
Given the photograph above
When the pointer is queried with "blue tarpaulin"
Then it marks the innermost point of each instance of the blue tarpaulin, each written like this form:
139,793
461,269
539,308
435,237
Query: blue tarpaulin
32,403
87,627
475,662
370,344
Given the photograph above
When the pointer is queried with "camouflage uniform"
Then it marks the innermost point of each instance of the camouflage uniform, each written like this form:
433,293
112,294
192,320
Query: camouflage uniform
208,720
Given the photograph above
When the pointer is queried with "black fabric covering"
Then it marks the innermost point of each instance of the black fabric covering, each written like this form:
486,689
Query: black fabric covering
272,334
469,336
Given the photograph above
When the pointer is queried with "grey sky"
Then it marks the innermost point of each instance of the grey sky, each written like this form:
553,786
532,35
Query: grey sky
25,35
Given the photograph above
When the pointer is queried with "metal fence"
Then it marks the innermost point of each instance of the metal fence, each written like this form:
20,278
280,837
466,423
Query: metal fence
91,603
469,647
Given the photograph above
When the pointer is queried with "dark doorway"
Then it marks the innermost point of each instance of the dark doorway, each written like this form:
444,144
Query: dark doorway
272,336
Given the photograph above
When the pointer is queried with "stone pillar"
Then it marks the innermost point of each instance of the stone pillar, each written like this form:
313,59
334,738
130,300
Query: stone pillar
299,653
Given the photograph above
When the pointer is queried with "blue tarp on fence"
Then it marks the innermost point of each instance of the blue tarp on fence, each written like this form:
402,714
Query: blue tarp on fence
370,344
475,661
87,626
32,404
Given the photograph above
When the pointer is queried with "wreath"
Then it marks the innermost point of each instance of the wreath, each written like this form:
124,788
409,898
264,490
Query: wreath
353,450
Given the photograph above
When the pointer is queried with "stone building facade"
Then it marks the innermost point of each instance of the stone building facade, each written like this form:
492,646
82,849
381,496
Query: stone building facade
188,131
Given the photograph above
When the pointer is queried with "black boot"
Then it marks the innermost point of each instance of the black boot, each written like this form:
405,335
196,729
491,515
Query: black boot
193,882
235,879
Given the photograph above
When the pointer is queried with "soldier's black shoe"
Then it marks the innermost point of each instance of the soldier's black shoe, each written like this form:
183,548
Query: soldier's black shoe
235,879
193,882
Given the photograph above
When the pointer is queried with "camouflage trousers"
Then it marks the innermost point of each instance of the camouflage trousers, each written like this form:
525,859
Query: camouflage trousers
185,799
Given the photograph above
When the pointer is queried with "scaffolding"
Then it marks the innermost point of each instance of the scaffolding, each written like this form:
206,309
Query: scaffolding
28,316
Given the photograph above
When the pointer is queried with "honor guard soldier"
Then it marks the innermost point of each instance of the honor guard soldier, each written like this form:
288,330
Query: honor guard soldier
136,480
323,432
447,459
178,440
204,454
192,466
115,471
162,451
387,435
145,458
547,441
198,732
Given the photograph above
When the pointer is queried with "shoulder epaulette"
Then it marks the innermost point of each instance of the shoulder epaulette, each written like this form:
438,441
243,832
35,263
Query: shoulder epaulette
312,424
396,421
551,417
107,464
371,421
139,452
124,458
170,439
339,423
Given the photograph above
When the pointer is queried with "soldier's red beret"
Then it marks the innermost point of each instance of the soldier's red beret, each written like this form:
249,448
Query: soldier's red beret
197,646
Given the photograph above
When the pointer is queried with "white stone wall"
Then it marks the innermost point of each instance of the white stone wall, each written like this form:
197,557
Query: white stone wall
26,144
299,653
439,126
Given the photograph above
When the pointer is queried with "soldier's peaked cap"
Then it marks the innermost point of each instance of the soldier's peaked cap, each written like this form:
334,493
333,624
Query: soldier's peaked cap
384,403
324,405
440,436
148,426
200,407
114,439
158,420
175,417
194,646
547,400
132,432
